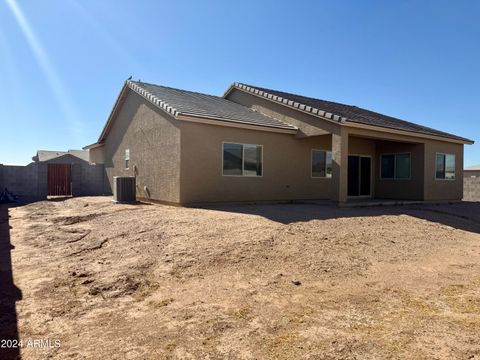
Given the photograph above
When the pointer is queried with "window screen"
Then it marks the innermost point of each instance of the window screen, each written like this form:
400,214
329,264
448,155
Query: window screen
402,166
321,163
449,166
252,160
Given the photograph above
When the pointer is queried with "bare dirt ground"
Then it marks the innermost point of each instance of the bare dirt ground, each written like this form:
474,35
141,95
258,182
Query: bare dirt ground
246,282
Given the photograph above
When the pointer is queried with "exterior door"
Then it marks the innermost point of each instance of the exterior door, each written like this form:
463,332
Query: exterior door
59,179
359,175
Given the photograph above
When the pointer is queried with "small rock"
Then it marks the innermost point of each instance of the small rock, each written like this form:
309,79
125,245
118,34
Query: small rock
94,291
296,282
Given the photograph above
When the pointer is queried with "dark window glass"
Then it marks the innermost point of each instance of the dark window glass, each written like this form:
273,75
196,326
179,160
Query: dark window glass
353,175
440,166
232,159
365,174
388,166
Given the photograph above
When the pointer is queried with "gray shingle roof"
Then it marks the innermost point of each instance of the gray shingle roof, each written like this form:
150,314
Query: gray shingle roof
342,112
45,155
182,102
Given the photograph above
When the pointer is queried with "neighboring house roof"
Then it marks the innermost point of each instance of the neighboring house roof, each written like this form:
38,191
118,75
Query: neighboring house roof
342,113
473,168
45,155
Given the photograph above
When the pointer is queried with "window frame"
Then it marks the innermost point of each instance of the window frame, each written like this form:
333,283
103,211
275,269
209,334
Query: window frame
445,170
311,164
127,159
243,159
395,166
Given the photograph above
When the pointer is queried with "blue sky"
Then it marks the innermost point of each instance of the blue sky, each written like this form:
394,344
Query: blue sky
63,62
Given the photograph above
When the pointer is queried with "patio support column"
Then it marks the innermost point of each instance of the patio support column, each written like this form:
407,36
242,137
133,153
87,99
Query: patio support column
340,165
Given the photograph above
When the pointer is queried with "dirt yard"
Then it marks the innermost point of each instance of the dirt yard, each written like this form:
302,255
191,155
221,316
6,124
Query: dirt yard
305,281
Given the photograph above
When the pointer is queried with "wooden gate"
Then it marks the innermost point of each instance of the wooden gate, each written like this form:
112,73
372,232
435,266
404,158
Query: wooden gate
59,179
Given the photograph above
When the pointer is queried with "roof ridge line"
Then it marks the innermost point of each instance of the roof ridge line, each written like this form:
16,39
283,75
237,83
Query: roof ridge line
291,103
152,98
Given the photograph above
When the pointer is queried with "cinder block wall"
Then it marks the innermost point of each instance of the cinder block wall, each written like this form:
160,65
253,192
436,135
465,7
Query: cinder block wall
31,181
28,181
88,179
471,188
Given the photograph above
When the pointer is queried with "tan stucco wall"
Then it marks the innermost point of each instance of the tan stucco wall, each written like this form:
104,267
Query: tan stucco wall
97,155
153,138
286,166
443,189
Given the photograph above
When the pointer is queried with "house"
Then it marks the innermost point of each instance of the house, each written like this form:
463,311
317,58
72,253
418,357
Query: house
69,156
257,144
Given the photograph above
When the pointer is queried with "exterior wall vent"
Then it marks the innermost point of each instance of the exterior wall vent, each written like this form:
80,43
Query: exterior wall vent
124,189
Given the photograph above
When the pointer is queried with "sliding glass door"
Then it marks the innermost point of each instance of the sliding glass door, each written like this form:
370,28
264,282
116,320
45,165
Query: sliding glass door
359,175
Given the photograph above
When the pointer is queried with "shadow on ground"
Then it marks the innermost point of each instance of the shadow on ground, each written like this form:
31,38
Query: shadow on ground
9,293
464,215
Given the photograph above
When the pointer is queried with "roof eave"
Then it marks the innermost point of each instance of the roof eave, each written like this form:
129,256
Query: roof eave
456,140
93,146
211,120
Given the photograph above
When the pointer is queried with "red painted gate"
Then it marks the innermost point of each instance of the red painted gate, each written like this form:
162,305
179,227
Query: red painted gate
59,179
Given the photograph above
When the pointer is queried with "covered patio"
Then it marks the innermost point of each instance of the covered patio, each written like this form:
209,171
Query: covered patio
374,167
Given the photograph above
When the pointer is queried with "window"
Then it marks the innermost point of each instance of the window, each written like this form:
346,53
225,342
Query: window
445,167
127,158
388,167
402,166
242,160
321,164
395,166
